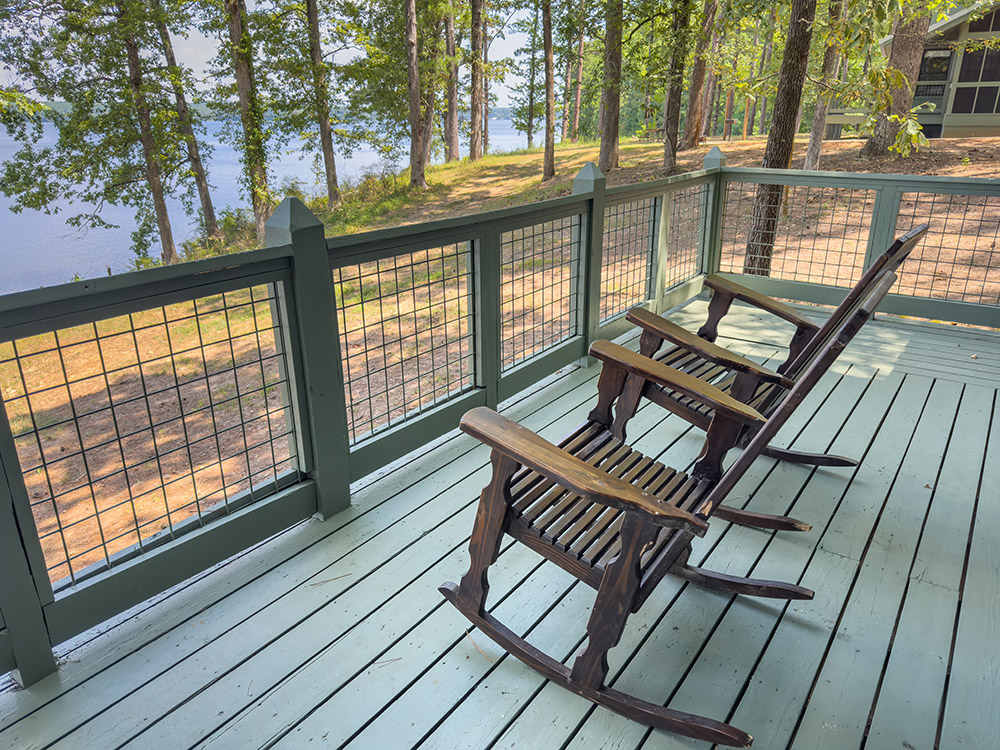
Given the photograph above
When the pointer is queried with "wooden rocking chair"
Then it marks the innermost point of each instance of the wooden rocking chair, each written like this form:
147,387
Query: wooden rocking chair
620,521
740,377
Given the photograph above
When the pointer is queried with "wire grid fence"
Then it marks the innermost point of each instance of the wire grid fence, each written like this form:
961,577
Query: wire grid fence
133,429
630,233
539,270
820,235
407,334
686,211
958,259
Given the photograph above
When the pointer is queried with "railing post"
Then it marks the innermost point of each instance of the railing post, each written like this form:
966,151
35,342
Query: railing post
20,600
590,180
661,249
883,226
489,325
324,416
710,246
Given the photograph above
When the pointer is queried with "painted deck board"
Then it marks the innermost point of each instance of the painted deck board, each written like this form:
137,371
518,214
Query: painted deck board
333,634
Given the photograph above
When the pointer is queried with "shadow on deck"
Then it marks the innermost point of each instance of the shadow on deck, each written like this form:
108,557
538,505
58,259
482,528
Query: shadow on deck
333,634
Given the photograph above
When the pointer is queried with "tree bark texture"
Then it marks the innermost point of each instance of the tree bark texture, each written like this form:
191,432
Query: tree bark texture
186,126
254,157
153,174
696,90
679,34
567,89
321,92
549,159
781,139
907,51
531,76
451,116
831,61
578,84
476,94
486,88
417,178
611,92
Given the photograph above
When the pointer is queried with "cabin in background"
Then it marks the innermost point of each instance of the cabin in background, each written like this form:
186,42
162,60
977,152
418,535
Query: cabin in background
957,88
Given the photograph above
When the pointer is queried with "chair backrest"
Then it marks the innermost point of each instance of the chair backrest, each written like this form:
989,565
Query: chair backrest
887,263
834,344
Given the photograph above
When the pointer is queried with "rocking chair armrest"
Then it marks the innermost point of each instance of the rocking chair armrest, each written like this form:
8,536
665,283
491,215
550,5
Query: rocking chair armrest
670,331
758,300
669,377
538,454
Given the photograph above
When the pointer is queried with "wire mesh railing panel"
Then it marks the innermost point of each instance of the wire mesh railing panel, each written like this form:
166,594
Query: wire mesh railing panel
629,242
686,213
539,270
797,232
133,429
958,259
407,334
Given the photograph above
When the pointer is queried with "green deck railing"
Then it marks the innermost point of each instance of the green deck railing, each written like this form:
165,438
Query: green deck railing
159,422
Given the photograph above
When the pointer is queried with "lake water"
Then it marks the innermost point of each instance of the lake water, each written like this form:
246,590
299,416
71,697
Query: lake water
38,249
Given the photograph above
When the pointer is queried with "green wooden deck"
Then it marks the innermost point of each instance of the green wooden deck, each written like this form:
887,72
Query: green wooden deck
333,634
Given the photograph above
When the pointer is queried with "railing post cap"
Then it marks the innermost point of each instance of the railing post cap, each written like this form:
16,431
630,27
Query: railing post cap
290,217
588,179
715,158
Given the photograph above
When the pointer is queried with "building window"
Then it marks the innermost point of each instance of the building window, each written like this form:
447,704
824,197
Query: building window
934,65
991,21
964,99
972,64
986,100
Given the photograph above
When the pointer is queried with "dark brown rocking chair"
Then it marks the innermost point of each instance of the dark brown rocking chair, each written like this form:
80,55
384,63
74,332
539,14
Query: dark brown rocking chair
744,379
620,521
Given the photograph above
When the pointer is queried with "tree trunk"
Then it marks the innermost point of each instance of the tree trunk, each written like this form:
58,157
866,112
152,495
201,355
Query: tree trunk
476,95
578,85
427,123
417,178
153,174
531,76
549,159
763,222
187,129
321,93
567,89
254,156
907,51
486,89
675,84
752,117
767,50
831,61
611,92
696,91
712,105
451,117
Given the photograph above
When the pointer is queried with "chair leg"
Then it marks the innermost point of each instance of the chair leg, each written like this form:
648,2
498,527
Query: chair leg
738,584
487,533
